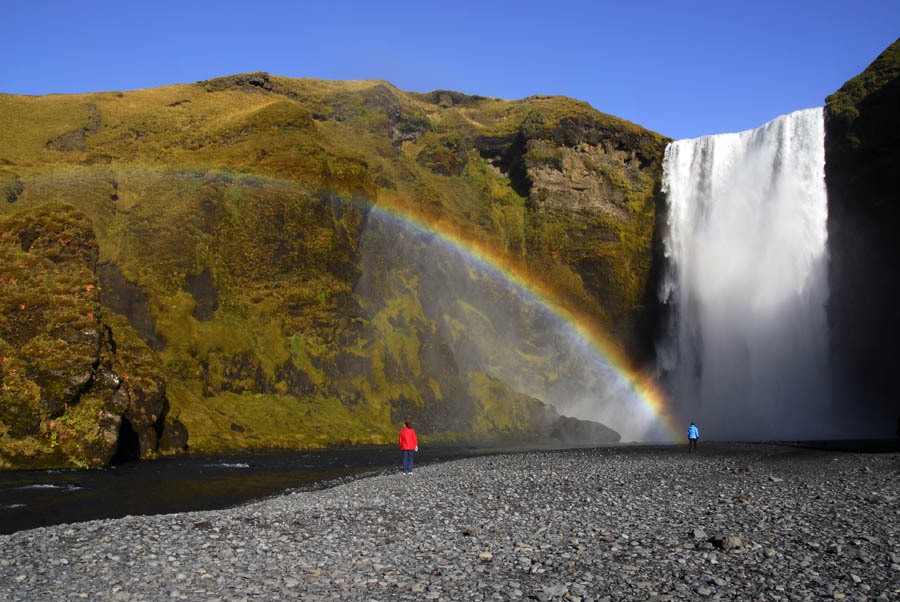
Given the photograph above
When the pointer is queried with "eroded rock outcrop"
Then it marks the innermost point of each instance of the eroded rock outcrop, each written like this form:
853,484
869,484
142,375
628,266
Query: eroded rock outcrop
592,188
73,385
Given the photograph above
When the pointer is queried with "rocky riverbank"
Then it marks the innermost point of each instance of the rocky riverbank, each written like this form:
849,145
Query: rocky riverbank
733,522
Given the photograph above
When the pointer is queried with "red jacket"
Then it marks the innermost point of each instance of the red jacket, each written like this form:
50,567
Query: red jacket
408,439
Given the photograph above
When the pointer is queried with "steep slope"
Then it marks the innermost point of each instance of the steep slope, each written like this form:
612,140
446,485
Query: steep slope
863,178
71,393
229,217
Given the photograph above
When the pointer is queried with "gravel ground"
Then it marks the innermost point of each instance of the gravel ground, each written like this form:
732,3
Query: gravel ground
733,522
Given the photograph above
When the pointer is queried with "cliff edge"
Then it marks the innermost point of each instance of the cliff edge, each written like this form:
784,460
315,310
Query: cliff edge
862,173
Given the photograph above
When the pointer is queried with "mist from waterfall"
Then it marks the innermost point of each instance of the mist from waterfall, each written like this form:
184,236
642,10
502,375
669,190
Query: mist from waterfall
745,353
495,326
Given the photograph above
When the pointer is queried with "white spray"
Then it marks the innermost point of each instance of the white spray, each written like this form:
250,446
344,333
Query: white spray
746,352
495,326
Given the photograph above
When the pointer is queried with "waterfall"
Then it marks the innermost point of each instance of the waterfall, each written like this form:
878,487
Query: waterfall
745,352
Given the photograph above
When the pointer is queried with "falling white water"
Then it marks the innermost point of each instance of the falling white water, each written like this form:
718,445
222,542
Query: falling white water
746,352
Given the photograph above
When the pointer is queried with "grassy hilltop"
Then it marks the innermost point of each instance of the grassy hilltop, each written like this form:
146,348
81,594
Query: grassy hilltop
223,287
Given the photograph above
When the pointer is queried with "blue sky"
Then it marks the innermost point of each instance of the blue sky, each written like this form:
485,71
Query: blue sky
682,68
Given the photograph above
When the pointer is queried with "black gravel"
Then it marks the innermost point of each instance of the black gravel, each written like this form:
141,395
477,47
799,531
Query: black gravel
733,522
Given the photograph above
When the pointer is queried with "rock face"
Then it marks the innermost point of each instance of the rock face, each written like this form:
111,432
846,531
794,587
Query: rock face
592,195
862,169
74,390
252,291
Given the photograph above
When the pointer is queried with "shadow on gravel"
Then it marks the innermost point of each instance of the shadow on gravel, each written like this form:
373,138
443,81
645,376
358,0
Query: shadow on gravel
865,446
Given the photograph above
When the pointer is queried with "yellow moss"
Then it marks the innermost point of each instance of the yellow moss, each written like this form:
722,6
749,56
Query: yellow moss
388,390
301,356
403,344
255,187
503,412
275,421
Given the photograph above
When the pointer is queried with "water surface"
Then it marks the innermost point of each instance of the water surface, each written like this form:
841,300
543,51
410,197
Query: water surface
30,499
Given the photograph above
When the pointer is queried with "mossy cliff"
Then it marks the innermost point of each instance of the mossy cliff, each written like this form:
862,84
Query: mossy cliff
70,392
862,169
242,285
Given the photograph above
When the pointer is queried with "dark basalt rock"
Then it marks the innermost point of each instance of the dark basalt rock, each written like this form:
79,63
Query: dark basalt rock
862,174
258,82
127,298
243,373
75,140
297,381
10,187
572,431
203,290
450,98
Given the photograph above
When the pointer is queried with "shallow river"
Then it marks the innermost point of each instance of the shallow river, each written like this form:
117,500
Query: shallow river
30,499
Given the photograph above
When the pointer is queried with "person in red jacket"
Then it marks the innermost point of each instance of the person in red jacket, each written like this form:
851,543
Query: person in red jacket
409,445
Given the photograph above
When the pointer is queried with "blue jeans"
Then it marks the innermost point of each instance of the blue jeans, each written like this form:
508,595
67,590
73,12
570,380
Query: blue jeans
407,460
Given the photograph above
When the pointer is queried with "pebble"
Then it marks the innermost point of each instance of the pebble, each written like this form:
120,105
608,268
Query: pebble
613,523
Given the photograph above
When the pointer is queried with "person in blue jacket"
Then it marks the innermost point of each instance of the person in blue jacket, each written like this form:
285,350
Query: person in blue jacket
693,435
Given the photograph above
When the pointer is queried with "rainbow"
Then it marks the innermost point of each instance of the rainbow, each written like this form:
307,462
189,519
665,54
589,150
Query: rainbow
640,387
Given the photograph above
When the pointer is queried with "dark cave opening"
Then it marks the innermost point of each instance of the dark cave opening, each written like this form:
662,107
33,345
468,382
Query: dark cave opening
129,447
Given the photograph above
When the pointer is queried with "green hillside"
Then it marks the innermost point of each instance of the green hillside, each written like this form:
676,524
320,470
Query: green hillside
228,216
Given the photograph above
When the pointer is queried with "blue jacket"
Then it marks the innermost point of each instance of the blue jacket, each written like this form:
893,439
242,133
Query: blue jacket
693,432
